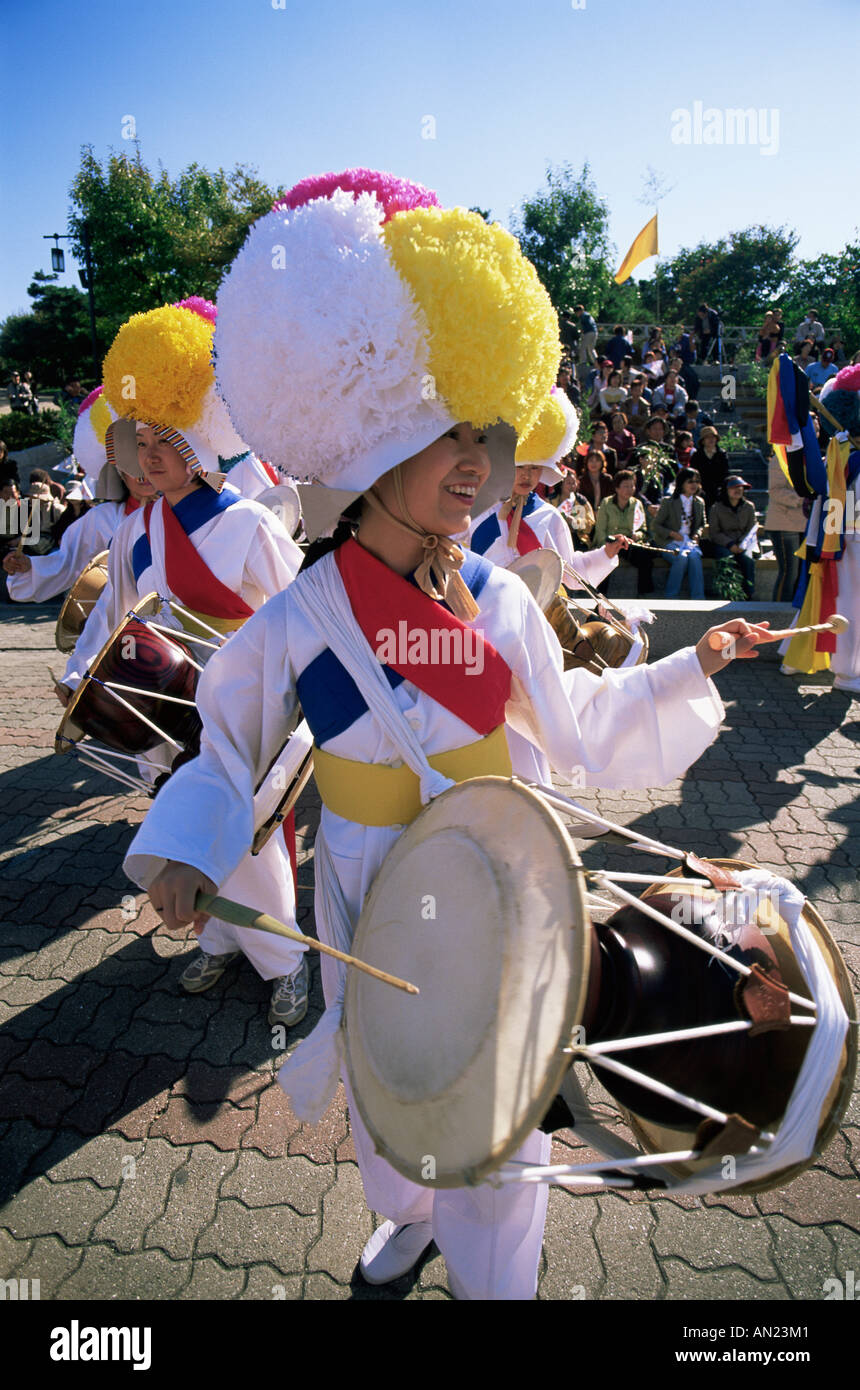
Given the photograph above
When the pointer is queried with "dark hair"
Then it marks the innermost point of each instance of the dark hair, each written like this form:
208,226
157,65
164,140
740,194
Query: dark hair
612,374
344,531
598,454
656,420
619,328
580,309
685,475
38,475
624,475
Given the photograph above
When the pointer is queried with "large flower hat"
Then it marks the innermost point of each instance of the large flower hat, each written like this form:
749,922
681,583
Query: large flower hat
552,437
158,371
841,396
361,320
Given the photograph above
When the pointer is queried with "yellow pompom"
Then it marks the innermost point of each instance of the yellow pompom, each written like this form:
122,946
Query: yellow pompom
99,417
493,333
159,367
543,441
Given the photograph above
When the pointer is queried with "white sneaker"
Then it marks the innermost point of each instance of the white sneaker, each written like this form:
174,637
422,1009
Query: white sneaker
786,670
393,1250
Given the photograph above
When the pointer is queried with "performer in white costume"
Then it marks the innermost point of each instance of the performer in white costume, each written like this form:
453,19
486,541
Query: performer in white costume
404,276
34,579
220,556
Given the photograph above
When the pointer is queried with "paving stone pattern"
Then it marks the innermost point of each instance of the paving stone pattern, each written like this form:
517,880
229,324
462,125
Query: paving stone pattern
146,1150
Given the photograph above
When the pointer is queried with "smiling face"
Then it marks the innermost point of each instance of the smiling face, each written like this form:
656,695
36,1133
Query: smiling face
161,464
527,479
440,483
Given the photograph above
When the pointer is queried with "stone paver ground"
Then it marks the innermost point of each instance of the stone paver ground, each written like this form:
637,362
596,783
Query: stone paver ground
146,1150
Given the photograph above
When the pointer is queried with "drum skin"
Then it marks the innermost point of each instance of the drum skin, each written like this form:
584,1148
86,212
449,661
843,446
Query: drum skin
138,656
79,602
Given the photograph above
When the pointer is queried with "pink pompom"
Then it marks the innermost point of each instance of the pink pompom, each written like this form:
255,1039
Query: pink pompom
395,195
198,305
87,402
848,379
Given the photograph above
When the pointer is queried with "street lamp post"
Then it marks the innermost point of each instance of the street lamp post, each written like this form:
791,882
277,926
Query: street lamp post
58,264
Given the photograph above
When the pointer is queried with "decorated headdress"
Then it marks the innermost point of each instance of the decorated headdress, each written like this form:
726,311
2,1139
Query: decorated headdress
159,372
551,439
361,321
92,449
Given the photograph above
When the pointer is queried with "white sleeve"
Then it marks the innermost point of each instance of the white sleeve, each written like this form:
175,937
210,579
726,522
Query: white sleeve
52,574
273,560
593,565
203,815
115,599
642,726
560,538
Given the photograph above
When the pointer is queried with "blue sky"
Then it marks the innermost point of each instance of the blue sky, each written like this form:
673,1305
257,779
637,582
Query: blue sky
297,88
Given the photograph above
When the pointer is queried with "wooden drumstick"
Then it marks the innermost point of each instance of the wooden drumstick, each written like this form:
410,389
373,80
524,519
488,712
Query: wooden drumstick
242,916
718,641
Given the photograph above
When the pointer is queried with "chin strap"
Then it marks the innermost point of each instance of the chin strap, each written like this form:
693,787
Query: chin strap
438,573
513,508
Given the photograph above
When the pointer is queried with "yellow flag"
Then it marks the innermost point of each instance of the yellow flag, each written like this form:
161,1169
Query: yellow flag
644,246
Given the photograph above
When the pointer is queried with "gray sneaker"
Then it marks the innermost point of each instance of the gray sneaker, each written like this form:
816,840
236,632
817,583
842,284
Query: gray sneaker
204,969
290,997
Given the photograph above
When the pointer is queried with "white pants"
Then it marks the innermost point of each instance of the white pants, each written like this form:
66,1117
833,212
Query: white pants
845,662
266,883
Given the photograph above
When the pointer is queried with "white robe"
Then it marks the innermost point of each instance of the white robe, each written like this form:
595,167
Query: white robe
552,531
638,727
248,549
53,574
845,661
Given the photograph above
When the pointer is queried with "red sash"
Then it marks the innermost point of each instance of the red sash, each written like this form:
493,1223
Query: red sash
383,601
188,575
131,505
526,539
270,472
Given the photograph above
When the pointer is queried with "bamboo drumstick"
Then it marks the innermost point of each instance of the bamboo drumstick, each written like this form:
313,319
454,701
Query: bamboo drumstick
718,641
242,916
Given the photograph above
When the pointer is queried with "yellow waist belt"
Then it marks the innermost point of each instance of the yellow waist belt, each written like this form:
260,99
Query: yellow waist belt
373,794
203,621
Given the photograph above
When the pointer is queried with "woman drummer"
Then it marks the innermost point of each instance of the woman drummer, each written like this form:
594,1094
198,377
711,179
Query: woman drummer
38,578
216,554
347,392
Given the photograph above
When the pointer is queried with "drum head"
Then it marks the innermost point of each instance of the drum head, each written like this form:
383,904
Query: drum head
79,602
481,904
541,572
663,1139
283,500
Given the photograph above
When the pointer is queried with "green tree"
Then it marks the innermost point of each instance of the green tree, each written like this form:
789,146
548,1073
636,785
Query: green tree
155,239
830,284
53,340
564,232
742,274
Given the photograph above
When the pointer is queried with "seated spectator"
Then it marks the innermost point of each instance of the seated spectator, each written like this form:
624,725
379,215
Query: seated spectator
785,523
694,419
587,335
628,371
624,515
612,395
657,345
593,481
566,383
671,394
654,463
50,509
687,377
840,356
20,395
600,440
731,528
574,507
652,365
618,347
637,407
810,328
597,382
620,437
768,336
684,448
806,355
659,412
711,463
677,527
819,372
